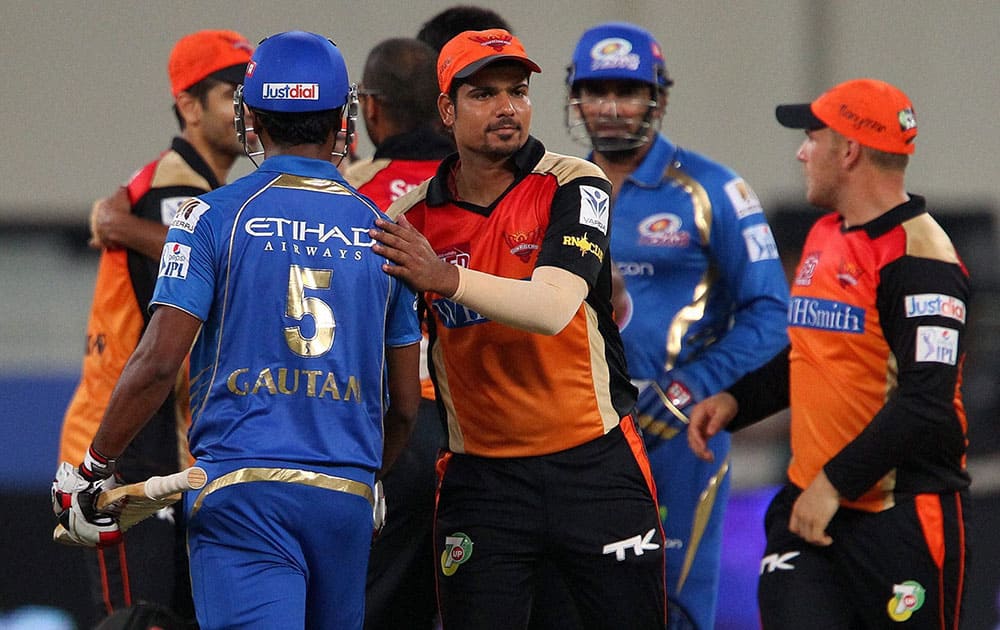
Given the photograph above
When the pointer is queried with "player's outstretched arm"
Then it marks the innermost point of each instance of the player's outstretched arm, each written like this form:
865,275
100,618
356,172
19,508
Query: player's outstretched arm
707,418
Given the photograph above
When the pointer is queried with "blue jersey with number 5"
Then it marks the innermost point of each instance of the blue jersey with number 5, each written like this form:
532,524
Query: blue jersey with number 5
290,362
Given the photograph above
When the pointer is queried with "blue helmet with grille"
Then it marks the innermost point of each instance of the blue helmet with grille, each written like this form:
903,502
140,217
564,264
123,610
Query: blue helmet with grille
296,72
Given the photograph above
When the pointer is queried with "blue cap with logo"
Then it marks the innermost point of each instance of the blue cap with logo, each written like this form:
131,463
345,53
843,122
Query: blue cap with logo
616,51
296,72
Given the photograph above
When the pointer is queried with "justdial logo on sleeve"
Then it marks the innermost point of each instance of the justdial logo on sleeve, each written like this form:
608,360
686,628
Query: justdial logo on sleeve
930,304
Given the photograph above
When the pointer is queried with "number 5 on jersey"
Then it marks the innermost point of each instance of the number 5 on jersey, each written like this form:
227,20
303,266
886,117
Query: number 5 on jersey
297,305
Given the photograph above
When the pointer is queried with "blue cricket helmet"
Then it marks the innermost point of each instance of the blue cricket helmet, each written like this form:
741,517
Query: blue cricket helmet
296,72
615,51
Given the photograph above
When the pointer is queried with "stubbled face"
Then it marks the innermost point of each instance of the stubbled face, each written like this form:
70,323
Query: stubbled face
216,121
491,113
819,154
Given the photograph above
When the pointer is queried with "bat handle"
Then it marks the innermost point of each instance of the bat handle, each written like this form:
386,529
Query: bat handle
161,487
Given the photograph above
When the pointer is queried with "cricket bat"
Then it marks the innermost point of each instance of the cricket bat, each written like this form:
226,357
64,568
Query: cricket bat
142,500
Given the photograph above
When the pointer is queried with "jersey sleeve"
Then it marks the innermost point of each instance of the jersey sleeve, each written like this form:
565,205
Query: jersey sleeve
742,250
921,304
403,325
577,236
186,278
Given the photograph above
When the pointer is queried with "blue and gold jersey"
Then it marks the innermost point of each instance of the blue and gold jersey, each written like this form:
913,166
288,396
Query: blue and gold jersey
290,362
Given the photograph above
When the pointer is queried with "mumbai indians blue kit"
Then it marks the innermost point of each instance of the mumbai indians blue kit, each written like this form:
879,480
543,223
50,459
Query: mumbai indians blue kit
290,363
288,391
707,302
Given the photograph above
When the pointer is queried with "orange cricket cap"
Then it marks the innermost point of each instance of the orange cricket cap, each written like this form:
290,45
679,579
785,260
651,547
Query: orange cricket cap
200,55
872,112
467,53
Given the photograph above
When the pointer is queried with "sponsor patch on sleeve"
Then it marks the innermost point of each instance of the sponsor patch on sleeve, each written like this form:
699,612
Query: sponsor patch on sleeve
937,344
169,207
595,207
934,304
174,261
189,213
743,198
760,243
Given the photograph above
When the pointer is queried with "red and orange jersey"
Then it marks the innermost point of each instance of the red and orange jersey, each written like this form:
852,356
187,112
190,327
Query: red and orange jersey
877,324
118,317
508,392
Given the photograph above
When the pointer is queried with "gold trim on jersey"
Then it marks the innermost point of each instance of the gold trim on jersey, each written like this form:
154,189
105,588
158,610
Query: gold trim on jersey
312,184
285,475
695,310
703,511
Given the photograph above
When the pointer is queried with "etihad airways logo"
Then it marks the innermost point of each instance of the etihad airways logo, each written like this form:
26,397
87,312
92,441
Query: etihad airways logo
806,312
302,231
290,91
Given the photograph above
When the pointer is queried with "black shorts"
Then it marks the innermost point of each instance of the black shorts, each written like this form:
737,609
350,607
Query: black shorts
589,511
907,563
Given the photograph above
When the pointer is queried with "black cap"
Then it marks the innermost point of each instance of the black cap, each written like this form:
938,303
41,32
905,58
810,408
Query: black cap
798,116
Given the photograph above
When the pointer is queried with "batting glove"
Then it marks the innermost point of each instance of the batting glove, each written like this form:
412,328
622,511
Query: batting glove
661,410
74,501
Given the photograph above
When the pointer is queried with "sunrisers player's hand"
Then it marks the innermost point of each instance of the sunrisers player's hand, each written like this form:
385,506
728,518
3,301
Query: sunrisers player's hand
707,418
813,511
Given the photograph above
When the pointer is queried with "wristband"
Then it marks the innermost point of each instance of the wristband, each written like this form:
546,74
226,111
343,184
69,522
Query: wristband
97,466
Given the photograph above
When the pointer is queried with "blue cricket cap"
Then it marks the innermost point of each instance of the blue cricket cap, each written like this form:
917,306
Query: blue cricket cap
617,51
296,72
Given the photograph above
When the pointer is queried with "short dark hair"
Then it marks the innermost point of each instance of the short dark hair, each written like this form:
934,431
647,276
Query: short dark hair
401,73
291,129
437,31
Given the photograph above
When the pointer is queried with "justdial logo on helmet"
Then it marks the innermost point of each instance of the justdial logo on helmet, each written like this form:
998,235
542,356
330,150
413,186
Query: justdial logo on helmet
297,91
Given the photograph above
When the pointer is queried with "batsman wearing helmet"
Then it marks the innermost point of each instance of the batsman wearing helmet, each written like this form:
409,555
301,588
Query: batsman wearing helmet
704,296
300,343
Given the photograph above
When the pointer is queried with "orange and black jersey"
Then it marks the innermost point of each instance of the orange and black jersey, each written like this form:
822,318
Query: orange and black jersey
118,317
507,392
877,329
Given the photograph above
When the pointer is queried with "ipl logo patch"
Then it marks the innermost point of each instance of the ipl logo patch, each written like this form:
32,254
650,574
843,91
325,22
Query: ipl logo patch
907,598
457,550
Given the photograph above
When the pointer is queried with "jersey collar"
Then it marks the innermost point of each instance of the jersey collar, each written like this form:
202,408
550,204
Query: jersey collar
302,166
524,159
190,155
883,224
649,174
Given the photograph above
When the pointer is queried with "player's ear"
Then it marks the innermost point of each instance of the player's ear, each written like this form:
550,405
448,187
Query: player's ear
446,108
189,107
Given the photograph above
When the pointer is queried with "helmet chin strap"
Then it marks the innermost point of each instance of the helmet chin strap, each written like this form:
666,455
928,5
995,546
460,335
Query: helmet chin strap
241,127
348,125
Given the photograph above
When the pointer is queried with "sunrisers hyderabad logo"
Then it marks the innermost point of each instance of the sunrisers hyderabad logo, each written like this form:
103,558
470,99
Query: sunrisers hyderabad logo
524,244
457,551
496,42
907,598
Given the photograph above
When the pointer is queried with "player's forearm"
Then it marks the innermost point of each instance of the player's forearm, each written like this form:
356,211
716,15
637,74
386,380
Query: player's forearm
147,379
543,305
142,388
142,235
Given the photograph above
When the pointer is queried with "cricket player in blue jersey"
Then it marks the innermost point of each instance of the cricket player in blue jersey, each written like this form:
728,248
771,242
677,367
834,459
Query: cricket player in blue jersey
705,296
304,371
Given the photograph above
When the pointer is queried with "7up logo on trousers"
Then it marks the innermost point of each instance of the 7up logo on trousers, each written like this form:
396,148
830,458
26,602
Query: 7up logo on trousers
907,598
457,549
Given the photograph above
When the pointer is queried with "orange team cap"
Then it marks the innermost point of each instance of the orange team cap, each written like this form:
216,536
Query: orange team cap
467,53
197,56
872,112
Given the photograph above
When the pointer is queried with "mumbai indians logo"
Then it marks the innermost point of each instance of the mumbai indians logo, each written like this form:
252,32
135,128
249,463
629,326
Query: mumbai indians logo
907,598
457,550
613,53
